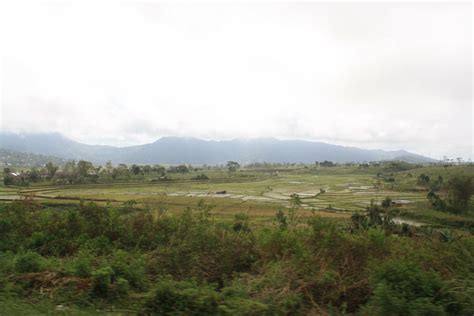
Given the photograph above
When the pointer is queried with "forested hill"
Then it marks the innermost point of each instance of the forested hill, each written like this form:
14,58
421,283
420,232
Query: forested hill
176,150
22,159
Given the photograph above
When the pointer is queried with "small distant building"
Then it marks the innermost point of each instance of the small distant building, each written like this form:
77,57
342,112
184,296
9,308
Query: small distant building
92,172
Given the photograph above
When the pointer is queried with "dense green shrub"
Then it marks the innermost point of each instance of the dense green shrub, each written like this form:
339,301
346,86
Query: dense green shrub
122,287
460,189
82,267
129,267
98,256
29,262
241,223
110,284
212,254
172,297
101,281
460,192
183,297
402,288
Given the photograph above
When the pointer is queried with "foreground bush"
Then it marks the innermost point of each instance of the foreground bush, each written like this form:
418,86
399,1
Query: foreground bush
29,262
403,289
97,257
188,298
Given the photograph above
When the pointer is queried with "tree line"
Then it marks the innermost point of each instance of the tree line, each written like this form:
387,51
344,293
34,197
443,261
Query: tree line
84,171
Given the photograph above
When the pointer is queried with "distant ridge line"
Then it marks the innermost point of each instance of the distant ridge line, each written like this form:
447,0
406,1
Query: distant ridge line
176,150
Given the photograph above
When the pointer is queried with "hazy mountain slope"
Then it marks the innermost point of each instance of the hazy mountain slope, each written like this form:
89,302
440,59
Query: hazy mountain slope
20,159
53,144
174,150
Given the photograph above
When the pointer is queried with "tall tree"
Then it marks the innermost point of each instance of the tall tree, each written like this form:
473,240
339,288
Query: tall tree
70,168
233,166
135,169
109,167
51,168
460,190
83,167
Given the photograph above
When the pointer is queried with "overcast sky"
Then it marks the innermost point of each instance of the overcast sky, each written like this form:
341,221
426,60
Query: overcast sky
373,75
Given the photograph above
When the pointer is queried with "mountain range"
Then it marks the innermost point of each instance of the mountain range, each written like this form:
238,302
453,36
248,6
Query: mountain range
177,150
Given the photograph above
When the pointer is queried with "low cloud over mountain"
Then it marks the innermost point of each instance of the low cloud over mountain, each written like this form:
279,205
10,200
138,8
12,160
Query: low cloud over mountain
175,150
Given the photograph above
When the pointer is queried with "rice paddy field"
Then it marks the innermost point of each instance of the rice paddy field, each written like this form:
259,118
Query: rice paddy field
335,192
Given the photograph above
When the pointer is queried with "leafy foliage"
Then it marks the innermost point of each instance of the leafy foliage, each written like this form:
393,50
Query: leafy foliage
402,288
89,255
460,191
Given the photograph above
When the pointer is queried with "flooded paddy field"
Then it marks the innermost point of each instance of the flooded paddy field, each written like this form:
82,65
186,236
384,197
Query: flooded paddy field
337,192
257,193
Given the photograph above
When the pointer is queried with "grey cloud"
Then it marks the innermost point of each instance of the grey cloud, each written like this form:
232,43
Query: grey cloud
376,75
